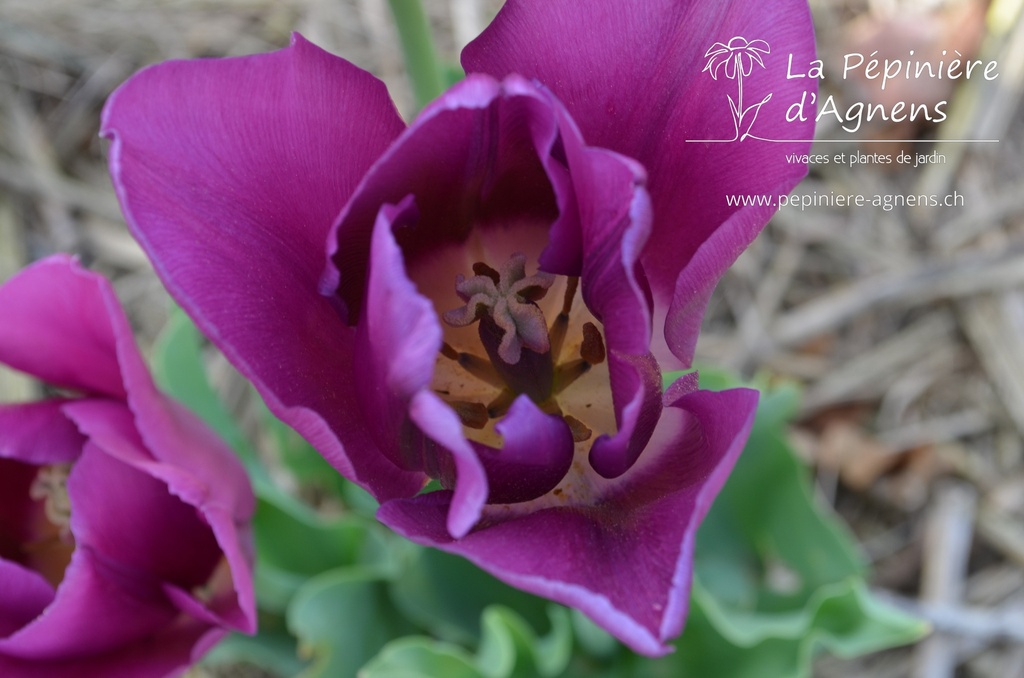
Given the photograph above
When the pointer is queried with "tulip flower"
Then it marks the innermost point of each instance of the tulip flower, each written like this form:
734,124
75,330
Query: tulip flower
125,546
489,296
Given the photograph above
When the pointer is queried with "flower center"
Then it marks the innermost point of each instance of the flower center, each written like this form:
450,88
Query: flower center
51,486
35,517
523,351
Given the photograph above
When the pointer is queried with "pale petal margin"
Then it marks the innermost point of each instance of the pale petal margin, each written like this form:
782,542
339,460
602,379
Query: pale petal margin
229,173
631,75
626,557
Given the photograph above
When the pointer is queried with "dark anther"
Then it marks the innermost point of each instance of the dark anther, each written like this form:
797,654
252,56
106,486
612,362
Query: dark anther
499,406
475,365
473,415
592,349
448,352
480,268
580,431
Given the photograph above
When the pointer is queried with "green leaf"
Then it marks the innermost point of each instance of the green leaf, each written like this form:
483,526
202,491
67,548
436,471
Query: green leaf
420,657
448,595
842,618
274,651
452,74
294,544
777,576
295,539
509,648
342,618
304,463
592,638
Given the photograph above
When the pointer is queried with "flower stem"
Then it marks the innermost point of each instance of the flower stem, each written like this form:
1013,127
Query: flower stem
418,49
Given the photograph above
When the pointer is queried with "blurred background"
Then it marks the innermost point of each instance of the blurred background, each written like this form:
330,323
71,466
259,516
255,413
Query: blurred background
903,326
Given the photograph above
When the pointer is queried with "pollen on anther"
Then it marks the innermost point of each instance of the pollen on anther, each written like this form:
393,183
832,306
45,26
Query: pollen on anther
480,268
472,415
592,349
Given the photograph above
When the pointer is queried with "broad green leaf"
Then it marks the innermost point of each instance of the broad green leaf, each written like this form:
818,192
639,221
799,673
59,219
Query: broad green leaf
592,638
777,576
274,651
509,648
294,543
304,463
448,595
275,586
421,657
452,74
342,618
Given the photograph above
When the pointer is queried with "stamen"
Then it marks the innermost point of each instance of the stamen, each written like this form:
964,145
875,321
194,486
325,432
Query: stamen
473,415
50,484
551,406
499,406
560,326
591,353
480,268
570,293
448,352
592,349
480,368
567,373
580,431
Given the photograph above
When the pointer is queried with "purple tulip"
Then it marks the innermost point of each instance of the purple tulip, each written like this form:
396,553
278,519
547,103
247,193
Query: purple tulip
125,547
506,278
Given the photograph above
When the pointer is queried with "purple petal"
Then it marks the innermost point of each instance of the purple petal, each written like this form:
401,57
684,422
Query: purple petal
90,613
477,159
127,517
631,75
27,537
615,218
24,595
38,433
398,339
624,557
229,173
56,328
444,427
198,499
536,453
165,653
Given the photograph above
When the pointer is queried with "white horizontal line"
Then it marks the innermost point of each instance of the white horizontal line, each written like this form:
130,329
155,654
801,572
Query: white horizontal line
850,141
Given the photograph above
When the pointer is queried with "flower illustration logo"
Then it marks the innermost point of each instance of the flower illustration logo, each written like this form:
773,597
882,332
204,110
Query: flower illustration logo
737,58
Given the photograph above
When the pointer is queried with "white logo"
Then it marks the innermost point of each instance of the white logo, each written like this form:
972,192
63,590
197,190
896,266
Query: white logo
736,60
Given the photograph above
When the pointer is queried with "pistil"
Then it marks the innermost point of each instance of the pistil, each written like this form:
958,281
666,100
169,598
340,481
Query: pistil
50,485
522,351
560,326
511,325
